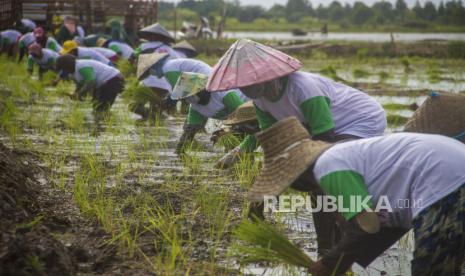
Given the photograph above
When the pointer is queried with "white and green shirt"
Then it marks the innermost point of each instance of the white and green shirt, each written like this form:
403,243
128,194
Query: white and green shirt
108,53
87,53
91,70
322,104
412,170
122,49
53,45
221,103
9,37
47,61
156,47
26,40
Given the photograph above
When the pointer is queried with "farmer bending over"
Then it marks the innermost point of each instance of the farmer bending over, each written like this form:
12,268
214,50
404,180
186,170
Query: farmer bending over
203,106
44,58
329,110
408,180
103,82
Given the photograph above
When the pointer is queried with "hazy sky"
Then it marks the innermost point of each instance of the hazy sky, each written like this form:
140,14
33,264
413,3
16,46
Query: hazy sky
269,3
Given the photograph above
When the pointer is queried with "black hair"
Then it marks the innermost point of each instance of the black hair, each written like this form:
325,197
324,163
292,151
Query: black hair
204,97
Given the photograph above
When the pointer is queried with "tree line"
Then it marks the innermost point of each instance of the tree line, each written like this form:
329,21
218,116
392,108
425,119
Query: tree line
357,14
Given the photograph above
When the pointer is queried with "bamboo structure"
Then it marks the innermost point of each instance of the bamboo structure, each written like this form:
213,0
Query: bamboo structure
92,14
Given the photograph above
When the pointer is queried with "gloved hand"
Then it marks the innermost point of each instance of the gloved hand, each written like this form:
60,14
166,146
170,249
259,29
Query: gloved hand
229,159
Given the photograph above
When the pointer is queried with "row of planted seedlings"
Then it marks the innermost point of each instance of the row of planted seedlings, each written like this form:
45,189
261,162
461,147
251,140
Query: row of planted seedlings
174,214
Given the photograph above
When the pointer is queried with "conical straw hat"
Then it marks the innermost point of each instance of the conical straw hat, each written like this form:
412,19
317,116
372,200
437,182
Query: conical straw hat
441,113
156,30
248,62
187,47
288,152
146,61
243,114
189,84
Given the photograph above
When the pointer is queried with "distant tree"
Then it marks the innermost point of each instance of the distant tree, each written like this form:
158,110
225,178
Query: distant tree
361,13
250,13
383,12
417,10
336,11
429,11
276,11
321,12
401,8
296,9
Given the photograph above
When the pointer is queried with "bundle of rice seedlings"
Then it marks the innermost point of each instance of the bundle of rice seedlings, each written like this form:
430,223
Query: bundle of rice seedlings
266,243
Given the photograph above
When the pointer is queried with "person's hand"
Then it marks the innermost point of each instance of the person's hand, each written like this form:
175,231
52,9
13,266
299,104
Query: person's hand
319,269
229,159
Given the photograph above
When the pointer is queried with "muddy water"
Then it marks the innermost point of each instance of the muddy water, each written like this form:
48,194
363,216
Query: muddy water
146,152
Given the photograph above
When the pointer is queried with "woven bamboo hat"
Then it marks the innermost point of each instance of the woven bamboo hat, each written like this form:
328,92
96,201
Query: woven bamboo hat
441,113
156,32
243,114
288,152
189,84
248,62
186,47
146,61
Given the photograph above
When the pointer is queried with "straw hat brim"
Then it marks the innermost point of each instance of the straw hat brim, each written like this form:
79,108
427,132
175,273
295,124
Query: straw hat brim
440,114
279,174
245,113
146,61
186,87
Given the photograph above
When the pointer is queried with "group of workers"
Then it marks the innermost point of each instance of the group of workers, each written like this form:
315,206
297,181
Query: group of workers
317,135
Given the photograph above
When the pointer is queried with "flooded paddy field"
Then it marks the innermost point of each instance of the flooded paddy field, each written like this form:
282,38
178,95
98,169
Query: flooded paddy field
137,207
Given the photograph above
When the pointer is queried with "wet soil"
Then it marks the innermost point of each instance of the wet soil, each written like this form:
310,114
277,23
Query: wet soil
41,231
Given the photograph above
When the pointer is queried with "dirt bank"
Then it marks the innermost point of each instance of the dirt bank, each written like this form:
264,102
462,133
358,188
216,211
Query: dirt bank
41,231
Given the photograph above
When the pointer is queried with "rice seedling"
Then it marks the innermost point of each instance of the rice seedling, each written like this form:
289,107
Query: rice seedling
266,243
396,120
360,73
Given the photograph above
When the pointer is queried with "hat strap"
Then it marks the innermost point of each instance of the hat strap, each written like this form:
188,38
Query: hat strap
285,153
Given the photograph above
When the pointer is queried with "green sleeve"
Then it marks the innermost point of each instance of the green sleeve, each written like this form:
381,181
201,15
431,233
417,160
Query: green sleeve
232,101
30,63
172,77
317,113
249,144
137,51
87,74
195,118
116,49
53,46
265,119
21,44
346,184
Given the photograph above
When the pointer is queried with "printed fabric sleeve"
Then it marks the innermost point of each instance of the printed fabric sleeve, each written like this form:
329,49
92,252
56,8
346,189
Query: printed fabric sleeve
195,118
346,186
232,101
265,119
87,74
249,144
317,113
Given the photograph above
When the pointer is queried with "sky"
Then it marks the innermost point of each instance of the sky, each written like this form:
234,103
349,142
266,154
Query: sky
315,3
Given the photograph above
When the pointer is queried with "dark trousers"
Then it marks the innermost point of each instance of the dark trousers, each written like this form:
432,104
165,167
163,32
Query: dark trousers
105,95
